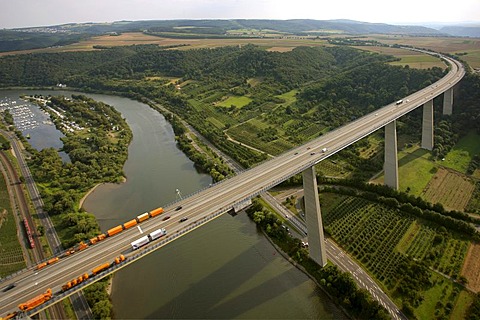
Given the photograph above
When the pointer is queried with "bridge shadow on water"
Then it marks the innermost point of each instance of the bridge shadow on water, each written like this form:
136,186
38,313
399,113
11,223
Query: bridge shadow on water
226,270
218,301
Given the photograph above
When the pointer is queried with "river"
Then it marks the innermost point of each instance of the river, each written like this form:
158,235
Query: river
226,269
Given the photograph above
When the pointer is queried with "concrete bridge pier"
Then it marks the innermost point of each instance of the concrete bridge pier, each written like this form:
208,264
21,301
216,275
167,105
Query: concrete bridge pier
391,159
427,126
316,242
448,101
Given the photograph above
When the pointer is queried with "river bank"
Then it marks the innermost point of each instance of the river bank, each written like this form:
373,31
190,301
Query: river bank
89,192
154,169
264,285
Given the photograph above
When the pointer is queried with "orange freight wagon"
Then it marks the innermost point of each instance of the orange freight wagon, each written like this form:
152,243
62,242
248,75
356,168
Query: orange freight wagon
100,268
41,265
35,302
67,286
53,260
97,238
119,259
156,212
82,246
115,230
130,223
143,217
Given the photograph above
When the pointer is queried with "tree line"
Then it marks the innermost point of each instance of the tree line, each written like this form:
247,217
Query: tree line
97,153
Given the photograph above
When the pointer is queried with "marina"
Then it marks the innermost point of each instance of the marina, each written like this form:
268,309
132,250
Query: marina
23,117
34,123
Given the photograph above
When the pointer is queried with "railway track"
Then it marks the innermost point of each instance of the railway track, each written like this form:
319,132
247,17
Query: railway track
21,207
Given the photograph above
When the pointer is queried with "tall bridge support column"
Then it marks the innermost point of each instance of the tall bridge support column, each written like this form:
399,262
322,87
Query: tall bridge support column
316,242
448,101
391,158
427,126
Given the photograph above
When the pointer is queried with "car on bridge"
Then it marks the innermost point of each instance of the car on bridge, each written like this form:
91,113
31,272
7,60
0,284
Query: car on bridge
10,286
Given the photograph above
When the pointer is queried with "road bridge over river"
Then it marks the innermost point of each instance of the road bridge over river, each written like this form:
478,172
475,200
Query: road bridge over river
210,203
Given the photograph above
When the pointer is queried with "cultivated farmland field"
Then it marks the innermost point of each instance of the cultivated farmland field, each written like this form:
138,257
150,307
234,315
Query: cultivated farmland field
375,145
333,168
248,133
11,255
452,45
382,238
452,189
468,47
407,57
370,232
131,38
472,266
238,102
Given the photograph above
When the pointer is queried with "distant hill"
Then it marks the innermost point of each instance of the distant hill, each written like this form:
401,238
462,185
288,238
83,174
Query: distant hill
462,31
41,37
295,26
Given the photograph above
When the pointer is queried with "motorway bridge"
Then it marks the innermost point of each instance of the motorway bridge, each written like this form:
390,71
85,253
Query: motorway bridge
218,199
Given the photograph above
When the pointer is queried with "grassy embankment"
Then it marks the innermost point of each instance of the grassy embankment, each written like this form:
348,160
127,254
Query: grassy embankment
440,181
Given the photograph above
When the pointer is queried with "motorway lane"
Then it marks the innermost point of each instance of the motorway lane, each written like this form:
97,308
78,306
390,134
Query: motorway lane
222,196
345,263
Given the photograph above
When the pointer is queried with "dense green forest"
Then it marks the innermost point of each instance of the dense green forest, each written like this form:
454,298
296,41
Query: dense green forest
13,40
327,87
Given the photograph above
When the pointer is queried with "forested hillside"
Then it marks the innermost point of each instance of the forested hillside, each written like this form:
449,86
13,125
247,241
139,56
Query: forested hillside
292,96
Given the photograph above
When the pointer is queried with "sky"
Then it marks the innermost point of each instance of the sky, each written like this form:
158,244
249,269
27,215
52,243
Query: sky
29,13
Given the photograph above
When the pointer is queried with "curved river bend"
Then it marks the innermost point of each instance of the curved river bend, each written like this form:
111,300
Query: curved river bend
223,270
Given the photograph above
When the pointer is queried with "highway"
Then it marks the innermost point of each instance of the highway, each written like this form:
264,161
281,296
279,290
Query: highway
81,307
209,203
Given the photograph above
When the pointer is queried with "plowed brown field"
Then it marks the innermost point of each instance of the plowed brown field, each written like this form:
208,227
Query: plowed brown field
471,268
450,188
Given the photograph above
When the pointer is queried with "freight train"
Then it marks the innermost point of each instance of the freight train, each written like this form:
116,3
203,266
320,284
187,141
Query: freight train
29,233
110,232
44,297
115,230
38,300
104,266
